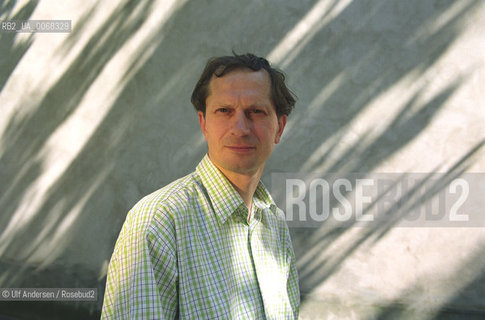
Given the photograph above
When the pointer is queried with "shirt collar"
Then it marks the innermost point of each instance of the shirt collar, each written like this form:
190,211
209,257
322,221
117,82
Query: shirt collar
224,198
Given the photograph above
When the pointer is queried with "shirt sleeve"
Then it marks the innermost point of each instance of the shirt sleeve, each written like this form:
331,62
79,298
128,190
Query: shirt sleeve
142,275
292,285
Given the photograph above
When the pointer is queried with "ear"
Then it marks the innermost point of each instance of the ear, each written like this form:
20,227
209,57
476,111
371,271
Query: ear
202,124
281,127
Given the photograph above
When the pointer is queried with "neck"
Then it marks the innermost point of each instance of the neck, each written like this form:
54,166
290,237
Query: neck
245,184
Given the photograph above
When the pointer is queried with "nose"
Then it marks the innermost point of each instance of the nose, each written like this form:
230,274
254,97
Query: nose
240,125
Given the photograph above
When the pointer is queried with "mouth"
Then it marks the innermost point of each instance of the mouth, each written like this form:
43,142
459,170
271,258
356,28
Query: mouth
241,148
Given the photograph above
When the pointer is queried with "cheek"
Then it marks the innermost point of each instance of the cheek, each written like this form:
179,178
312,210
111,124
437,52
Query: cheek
215,129
267,134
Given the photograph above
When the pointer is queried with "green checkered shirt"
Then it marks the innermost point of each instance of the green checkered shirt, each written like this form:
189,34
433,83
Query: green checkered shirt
187,251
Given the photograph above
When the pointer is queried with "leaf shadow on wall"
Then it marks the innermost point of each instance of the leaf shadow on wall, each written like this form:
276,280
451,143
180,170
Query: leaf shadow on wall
134,150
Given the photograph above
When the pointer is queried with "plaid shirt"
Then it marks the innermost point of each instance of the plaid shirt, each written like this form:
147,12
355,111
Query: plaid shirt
187,251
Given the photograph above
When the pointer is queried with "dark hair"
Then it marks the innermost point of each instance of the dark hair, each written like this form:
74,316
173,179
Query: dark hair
282,97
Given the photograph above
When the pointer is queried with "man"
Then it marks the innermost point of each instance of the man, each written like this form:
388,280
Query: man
213,245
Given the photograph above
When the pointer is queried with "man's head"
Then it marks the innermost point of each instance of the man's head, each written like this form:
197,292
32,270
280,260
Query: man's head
238,115
282,97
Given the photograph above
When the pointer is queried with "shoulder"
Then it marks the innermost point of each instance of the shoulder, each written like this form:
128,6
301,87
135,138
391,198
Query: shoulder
172,196
159,211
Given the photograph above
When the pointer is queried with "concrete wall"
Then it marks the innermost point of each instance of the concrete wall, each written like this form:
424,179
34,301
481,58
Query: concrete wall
94,119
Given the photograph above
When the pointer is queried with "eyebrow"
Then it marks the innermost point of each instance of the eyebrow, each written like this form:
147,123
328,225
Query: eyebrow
252,105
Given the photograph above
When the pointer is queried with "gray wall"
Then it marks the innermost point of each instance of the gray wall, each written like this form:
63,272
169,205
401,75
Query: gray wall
94,119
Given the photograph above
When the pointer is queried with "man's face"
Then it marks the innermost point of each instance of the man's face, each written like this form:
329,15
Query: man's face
240,123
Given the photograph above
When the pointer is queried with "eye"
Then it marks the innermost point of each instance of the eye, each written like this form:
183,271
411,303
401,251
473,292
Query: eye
257,111
222,110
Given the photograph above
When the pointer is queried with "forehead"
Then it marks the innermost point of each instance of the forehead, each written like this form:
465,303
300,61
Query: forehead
241,82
